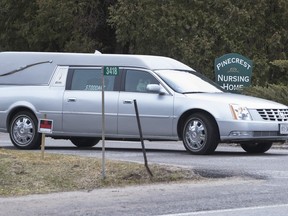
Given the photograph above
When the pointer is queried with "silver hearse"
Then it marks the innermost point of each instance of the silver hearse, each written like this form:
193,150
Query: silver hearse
175,103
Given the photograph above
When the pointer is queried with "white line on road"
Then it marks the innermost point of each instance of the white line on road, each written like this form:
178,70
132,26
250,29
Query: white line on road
251,210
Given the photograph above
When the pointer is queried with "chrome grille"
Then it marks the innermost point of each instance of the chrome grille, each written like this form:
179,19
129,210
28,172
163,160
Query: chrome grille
280,115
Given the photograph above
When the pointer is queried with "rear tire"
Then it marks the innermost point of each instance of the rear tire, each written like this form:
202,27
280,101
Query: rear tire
23,131
200,134
84,142
256,147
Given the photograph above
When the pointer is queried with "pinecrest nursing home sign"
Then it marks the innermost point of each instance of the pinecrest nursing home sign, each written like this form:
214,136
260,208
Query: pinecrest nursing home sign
233,71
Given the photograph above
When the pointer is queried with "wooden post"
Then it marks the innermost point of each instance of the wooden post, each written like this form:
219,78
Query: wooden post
43,142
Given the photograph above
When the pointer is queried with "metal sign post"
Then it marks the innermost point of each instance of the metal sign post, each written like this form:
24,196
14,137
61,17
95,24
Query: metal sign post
141,139
103,127
106,71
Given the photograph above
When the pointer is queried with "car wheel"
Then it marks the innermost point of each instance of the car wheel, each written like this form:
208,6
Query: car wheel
200,134
84,142
23,131
256,147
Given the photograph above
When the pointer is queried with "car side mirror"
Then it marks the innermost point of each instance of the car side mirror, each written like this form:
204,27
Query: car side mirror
155,88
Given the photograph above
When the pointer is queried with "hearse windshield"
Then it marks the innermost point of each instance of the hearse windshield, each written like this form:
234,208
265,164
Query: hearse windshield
188,82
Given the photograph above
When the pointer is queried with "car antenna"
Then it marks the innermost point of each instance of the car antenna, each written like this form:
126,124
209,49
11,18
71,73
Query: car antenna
25,67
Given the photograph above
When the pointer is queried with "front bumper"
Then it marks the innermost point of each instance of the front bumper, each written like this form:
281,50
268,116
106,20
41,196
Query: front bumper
236,130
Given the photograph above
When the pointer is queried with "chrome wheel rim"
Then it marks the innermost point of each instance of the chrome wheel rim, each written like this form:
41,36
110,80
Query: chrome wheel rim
195,135
23,131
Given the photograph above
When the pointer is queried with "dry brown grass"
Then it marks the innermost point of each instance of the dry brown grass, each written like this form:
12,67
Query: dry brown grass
25,172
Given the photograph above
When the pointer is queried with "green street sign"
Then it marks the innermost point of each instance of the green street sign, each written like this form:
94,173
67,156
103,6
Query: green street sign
233,72
111,71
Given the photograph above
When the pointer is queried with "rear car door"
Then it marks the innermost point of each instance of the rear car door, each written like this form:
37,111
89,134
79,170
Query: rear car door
82,103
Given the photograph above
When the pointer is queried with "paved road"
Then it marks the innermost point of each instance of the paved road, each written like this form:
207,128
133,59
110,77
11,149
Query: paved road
240,184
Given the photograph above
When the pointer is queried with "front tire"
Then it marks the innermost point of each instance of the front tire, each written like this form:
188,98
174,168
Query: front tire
200,134
257,147
23,131
84,142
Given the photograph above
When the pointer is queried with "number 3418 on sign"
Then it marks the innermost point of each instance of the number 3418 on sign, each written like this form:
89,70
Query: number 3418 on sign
111,71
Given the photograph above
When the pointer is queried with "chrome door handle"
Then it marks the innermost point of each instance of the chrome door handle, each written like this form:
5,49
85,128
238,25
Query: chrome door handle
71,100
127,102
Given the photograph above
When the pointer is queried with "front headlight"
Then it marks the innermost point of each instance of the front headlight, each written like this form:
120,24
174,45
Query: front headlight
240,112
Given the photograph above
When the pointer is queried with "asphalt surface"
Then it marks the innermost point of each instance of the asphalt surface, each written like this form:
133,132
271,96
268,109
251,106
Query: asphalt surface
237,184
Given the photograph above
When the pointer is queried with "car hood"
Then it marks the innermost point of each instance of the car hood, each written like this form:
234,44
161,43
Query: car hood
243,100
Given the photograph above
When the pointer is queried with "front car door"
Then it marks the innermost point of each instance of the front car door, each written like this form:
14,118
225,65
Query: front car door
155,110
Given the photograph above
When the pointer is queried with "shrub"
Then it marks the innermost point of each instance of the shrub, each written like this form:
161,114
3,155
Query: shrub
278,93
